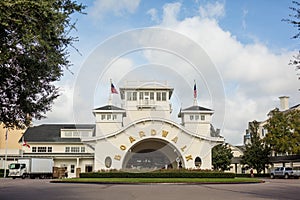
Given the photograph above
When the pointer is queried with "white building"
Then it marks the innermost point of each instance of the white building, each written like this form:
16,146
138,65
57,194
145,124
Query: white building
276,159
141,134
138,135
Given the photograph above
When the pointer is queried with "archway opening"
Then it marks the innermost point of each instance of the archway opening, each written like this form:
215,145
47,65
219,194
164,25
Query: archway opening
151,154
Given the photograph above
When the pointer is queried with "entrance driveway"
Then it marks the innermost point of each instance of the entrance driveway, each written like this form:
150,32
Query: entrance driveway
42,189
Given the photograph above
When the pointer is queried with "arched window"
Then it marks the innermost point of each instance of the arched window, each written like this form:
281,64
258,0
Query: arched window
108,162
198,162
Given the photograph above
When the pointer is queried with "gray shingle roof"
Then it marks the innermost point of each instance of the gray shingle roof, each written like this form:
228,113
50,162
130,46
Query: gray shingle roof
109,107
295,106
197,108
51,132
194,108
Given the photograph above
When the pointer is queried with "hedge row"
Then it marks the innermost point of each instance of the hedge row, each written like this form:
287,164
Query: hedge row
2,173
158,174
255,175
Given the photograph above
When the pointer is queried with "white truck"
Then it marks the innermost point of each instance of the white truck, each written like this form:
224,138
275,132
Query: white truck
285,172
32,167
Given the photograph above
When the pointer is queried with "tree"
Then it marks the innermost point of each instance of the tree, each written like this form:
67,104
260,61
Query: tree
295,21
283,131
221,157
34,38
256,154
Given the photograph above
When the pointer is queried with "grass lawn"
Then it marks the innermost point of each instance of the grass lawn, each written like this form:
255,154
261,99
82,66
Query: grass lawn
157,180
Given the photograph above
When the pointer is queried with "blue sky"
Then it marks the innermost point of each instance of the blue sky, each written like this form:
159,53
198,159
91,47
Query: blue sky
248,20
246,42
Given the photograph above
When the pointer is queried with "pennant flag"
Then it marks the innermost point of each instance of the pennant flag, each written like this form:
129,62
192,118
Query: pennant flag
195,91
25,144
113,89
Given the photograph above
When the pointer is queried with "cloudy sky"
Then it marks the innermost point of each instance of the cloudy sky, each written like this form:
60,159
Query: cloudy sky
236,51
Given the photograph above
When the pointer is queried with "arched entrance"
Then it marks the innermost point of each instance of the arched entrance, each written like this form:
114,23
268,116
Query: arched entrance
152,154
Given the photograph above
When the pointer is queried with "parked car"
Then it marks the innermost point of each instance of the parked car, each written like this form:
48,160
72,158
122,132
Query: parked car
285,172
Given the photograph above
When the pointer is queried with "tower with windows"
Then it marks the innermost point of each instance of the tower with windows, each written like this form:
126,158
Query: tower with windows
140,133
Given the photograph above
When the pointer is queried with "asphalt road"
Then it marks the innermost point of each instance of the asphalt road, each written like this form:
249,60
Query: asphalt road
42,189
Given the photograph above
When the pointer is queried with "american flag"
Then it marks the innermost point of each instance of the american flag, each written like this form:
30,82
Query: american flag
113,89
195,91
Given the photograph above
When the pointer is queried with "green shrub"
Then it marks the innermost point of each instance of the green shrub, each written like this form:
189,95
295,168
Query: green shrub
2,173
255,175
159,174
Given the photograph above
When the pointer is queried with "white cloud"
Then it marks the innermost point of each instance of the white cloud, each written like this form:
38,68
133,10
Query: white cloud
170,13
62,109
212,10
116,7
253,75
153,14
244,24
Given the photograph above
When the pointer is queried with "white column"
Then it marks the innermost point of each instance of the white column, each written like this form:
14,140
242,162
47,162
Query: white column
77,163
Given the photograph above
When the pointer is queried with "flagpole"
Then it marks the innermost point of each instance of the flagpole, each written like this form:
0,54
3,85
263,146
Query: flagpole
22,151
5,160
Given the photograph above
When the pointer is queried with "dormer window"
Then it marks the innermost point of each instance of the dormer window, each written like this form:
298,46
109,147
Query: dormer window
76,133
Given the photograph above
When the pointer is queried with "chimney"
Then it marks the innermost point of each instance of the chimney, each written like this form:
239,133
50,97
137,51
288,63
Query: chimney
284,103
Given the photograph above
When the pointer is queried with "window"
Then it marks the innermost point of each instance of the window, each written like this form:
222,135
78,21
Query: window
42,149
202,117
134,95
49,149
158,96
131,96
191,117
196,117
76,134
151,95
72,168
114,117
88,168
102,117
68,133
108,117
198,162
163,96
262,132
33,149
75,149
141,95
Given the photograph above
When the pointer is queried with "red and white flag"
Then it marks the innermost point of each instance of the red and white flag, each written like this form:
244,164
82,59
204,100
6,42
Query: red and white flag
25,144
113,89
195,91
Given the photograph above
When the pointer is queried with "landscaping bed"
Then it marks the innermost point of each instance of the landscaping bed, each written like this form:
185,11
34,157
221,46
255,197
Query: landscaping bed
159,180
159,174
